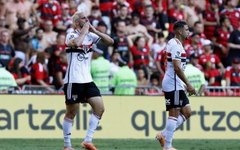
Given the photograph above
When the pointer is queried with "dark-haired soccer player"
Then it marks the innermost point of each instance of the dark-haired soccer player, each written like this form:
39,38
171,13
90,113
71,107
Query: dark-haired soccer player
174,84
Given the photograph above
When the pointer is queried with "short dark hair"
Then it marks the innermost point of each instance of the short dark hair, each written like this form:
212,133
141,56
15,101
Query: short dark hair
179,24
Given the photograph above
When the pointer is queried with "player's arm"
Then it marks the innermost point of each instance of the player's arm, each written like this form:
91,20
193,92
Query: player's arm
181,75
106,39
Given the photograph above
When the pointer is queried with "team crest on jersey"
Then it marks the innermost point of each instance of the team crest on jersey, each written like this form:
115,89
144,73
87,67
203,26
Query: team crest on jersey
167,101
74,97
81,57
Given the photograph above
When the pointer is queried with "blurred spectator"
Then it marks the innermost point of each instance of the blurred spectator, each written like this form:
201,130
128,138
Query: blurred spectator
84,6
3,25
220,39
14,9
39,74
195,46
2,8
195,76
100,70
209,60
192,13
72,7
65,21
150,22
50,10
35,42
158,46
142,80
95,16
54,63
6,50
157,53
214,76
120,40
135,26
124,81
161,63
211,19
199,29
139,45
6,79
49,36
21,37
142,76
123,16
232,12
175,13
117,5
154,84
57,66
234,44
106,7
195,61
114,64
20,72
232,73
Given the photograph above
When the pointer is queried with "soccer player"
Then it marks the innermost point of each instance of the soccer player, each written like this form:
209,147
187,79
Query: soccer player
174,84
78,83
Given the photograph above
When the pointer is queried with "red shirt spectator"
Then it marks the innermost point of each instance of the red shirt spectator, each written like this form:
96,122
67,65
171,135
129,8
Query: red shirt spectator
106,7
233,14
174,14
232,73
214,59
140,56
161,59
50,10
38,73
211,19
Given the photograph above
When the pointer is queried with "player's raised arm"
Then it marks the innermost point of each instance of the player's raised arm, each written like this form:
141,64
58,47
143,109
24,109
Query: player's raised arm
104,37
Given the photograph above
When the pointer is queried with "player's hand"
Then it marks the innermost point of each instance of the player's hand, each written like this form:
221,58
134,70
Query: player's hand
85,27
191,90
92,28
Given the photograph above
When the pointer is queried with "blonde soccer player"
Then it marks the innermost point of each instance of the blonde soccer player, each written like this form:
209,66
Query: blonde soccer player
78,83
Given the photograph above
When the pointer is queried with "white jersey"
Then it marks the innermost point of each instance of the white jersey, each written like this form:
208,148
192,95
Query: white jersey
175,51
79,58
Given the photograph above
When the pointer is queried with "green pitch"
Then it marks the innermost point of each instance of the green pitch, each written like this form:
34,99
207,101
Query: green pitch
118,144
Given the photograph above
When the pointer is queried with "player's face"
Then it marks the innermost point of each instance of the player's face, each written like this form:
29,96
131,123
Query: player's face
82,19
185,32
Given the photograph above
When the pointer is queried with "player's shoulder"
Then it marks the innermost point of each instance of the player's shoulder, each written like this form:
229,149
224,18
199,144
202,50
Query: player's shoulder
174,42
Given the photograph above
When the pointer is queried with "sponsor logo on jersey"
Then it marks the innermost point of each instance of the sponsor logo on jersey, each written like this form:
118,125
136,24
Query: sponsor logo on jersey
81,57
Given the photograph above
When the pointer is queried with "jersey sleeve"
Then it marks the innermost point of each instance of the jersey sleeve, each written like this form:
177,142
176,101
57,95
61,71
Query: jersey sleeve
95,37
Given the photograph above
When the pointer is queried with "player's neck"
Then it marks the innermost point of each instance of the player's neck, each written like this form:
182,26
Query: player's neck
179,38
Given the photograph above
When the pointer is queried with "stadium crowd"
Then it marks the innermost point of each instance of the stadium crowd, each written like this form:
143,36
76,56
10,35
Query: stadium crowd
32,42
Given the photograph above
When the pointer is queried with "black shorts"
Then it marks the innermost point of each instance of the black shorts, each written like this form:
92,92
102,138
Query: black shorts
80,92
175,99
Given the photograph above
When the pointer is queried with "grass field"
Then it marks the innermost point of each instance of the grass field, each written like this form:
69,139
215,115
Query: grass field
118,144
